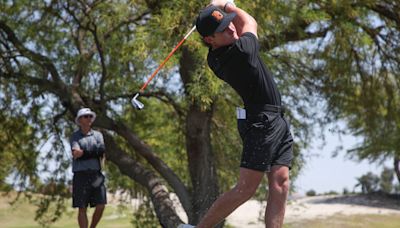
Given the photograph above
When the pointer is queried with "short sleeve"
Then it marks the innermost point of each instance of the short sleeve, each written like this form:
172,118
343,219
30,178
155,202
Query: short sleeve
74,142
100,140
248,43
249,46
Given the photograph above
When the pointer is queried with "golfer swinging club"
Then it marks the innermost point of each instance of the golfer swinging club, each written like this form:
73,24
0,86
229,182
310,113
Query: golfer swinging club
233,56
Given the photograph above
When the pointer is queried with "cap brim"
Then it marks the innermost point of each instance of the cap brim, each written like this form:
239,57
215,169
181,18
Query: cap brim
225,22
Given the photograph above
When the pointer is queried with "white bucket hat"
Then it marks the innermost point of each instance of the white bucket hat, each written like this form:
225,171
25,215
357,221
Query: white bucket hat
84,111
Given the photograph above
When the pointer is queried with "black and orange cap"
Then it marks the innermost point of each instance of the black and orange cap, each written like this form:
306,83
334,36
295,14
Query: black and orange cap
212,19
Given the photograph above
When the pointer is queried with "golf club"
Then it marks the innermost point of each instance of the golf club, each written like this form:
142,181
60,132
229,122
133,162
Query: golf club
135,102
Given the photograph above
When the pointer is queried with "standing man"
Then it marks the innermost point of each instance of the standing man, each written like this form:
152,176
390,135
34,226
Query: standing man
88,149
231,35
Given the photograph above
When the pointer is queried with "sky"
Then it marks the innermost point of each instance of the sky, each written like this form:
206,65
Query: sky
324,173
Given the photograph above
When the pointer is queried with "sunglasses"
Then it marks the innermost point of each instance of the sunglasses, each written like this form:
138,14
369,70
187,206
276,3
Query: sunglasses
87,116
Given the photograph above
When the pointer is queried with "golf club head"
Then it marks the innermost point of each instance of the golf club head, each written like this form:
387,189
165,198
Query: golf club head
136,103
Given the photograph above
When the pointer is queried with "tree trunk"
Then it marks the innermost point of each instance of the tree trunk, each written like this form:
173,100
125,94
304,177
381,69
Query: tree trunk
146,152
198,144
397,167
201,162
159,195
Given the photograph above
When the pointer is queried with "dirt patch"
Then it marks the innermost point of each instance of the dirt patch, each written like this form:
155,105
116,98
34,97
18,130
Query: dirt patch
250,213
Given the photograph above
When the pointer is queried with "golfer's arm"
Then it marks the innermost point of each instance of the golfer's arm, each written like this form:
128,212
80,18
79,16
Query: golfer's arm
243,22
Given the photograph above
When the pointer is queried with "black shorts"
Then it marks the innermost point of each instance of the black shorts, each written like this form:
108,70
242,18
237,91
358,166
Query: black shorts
83,193
267,141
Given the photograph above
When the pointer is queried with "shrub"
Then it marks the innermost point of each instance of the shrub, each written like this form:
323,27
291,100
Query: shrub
311,193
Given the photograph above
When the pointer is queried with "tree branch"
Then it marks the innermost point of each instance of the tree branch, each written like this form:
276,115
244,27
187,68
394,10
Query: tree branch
291,35
145,151
158,192
34,57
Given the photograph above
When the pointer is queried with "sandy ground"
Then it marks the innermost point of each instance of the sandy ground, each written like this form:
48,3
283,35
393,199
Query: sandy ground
250,214
314,207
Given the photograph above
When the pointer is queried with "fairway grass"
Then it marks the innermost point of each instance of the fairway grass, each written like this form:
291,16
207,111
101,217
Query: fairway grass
22,214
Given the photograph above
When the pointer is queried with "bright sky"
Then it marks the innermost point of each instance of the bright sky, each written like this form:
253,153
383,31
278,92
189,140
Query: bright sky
324,173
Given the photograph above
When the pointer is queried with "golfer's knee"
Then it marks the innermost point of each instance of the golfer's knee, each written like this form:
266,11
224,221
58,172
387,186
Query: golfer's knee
281,185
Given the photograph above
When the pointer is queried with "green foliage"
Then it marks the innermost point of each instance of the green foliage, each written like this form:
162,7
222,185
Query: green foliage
331,193
311,193
144,216
386,180
162,128
332,60
369,183
18,152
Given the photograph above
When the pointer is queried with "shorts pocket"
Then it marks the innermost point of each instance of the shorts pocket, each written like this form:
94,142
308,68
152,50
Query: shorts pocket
262,122
98,180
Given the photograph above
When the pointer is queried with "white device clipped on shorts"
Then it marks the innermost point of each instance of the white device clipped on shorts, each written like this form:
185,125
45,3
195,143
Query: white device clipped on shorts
240,113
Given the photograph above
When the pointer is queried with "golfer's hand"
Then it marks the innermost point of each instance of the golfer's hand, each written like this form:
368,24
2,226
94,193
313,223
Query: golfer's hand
220,3
77,153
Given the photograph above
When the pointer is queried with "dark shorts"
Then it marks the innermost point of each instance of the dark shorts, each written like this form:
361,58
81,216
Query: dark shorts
267,141
83,193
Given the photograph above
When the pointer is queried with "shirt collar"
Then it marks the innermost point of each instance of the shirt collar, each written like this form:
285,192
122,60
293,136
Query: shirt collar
90,132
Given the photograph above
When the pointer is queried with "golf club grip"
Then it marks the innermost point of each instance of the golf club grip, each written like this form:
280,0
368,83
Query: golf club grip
166,59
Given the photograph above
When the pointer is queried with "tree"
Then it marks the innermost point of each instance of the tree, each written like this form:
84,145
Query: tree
311,193
386,180
368,182
57,56
357,72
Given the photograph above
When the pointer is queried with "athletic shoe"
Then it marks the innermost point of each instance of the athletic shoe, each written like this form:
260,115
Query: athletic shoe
185,226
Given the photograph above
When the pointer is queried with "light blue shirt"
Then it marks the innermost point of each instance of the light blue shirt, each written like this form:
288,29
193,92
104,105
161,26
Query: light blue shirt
91,141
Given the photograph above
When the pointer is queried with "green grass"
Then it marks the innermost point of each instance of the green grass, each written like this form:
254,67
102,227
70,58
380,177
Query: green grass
353,221
22,214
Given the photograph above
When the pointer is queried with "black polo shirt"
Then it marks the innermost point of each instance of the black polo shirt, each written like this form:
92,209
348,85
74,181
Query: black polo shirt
241,66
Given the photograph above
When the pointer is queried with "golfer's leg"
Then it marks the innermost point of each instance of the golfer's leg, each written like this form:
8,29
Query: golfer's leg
98,212
278,183
229,201
82,218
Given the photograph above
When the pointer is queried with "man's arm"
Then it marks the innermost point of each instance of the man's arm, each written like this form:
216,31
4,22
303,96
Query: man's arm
76,150
243,22
97,150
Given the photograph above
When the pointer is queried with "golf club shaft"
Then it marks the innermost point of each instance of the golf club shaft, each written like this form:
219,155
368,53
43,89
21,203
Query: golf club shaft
168,57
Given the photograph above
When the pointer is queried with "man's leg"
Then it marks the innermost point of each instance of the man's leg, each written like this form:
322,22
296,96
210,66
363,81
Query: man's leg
229,201
82,218
98,212
278,185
